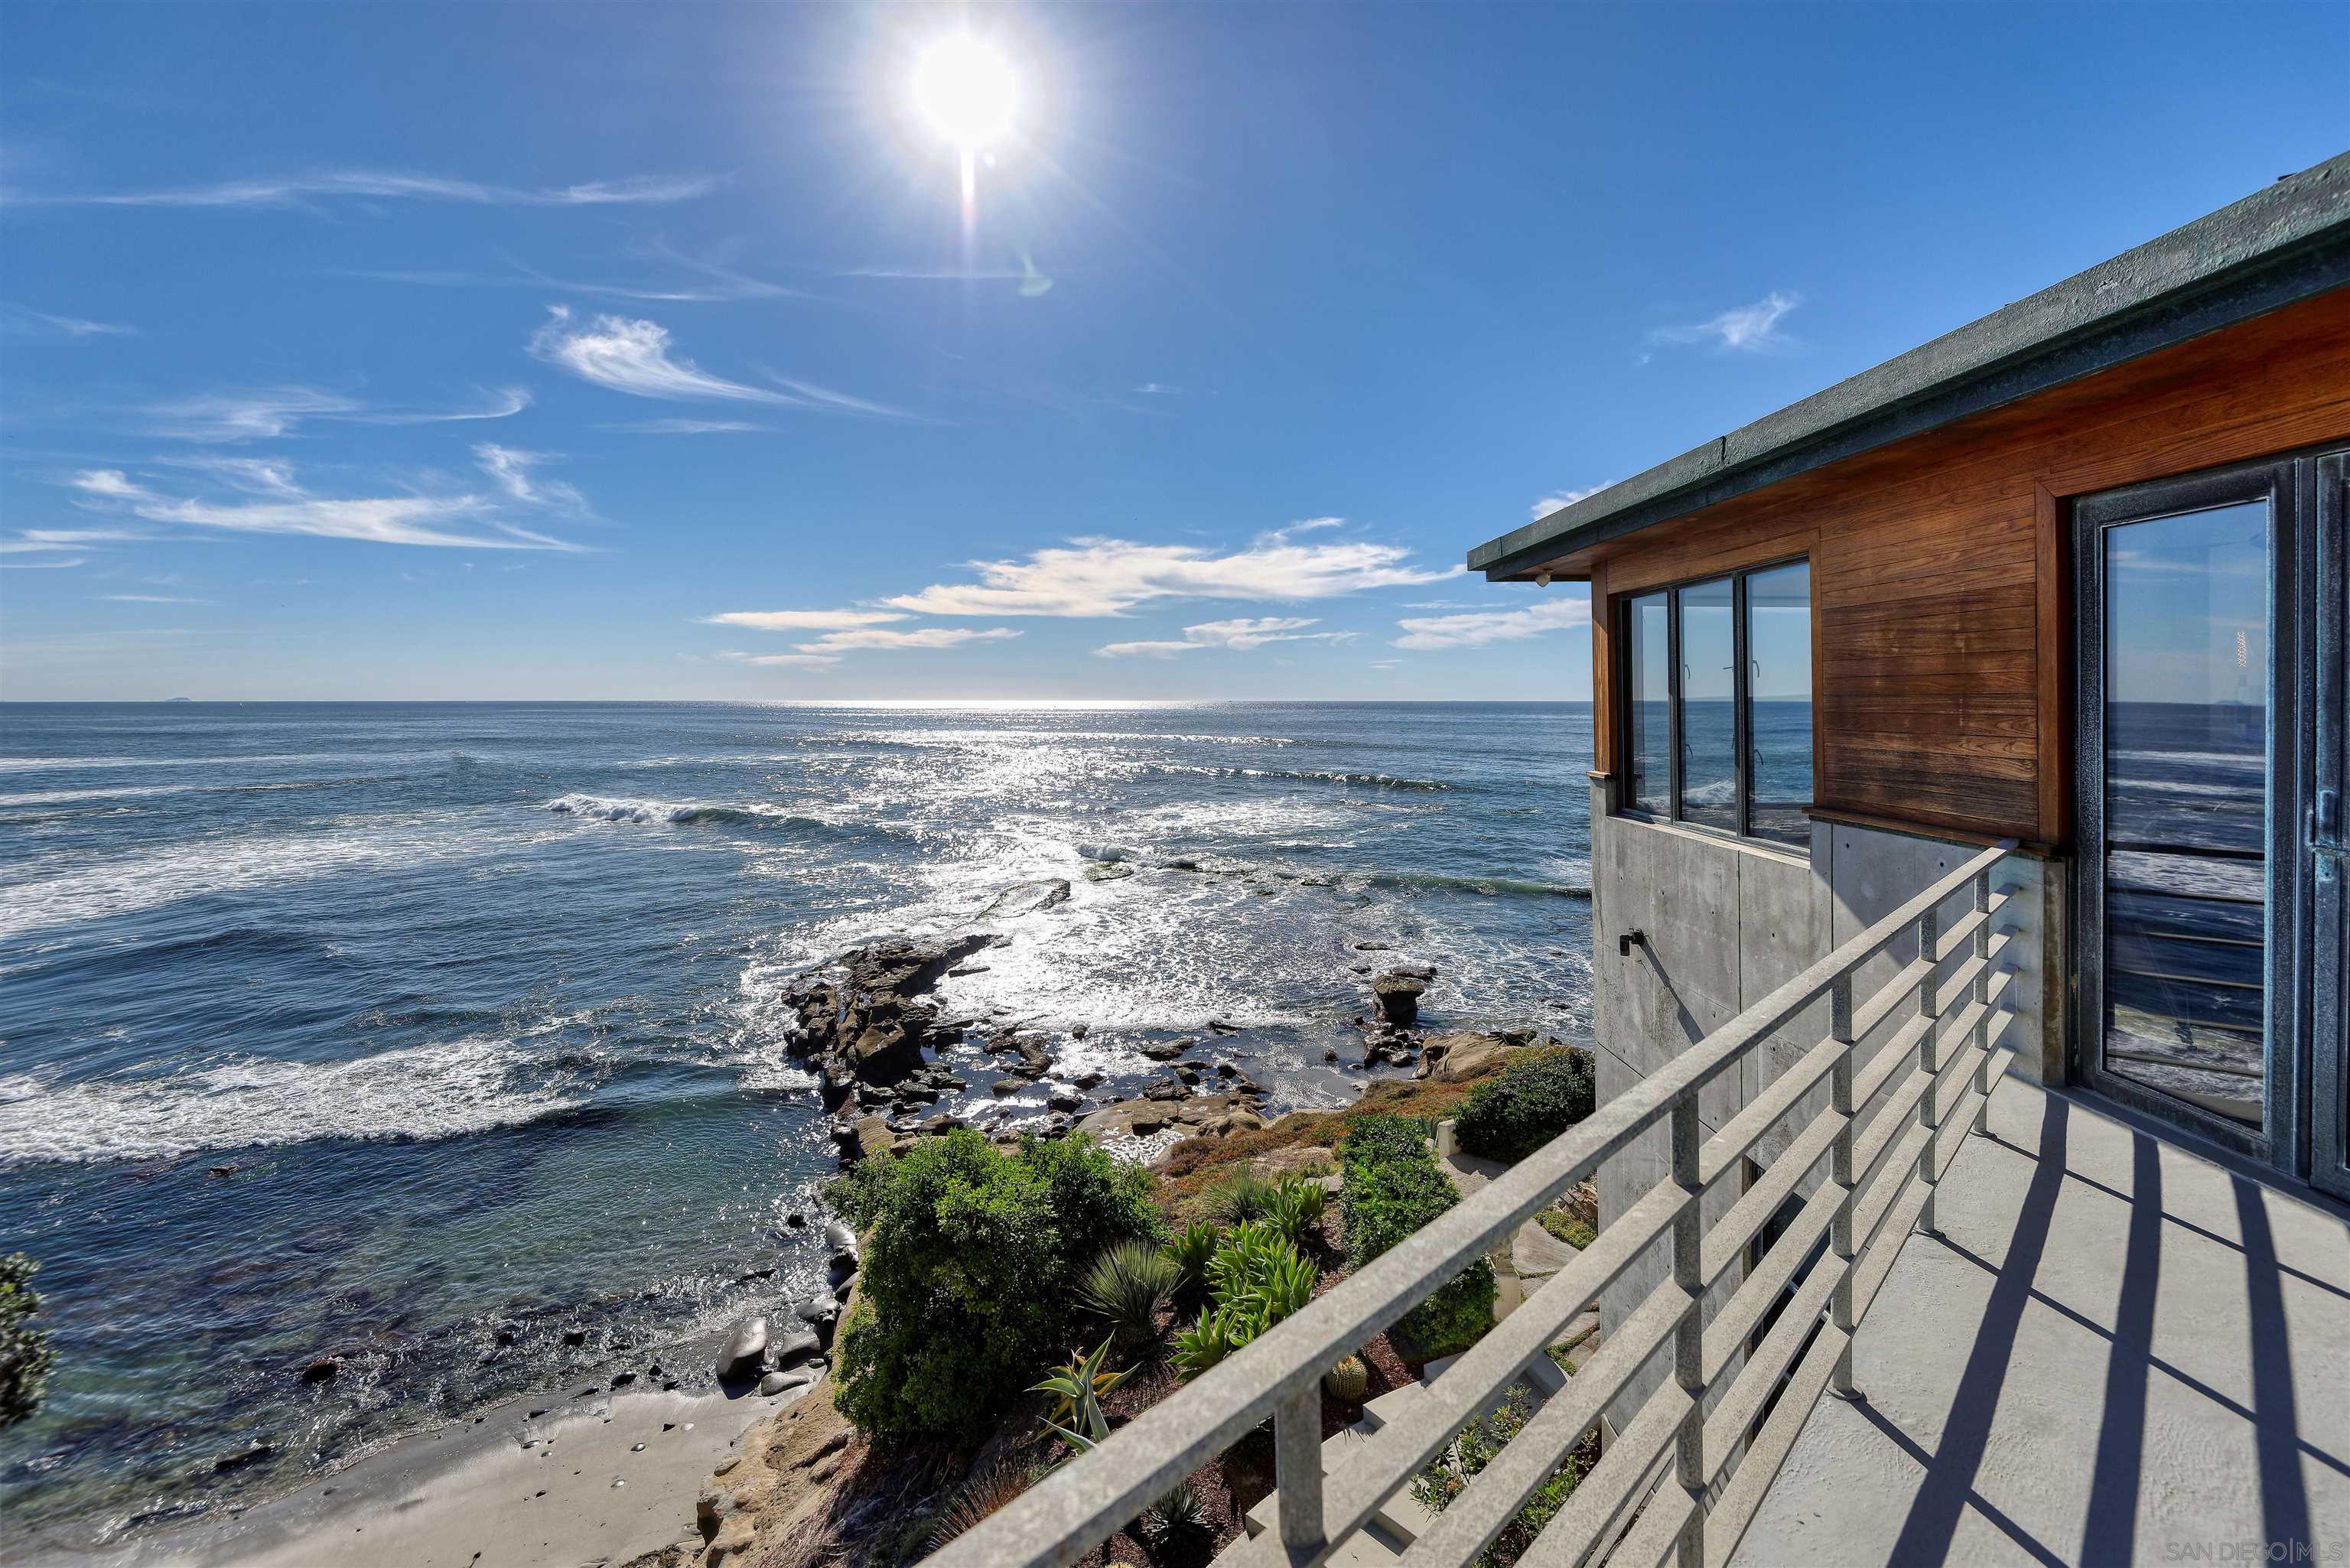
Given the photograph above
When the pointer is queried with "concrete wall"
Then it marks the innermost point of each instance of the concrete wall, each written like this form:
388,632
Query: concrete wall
1726,922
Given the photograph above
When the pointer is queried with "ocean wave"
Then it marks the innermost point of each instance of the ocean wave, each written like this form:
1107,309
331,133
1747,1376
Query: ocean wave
601,808
418,1092
1305,776
1491,887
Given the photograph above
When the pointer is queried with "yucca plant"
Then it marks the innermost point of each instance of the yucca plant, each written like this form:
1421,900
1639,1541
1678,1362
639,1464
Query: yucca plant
987,1490
1190,1251
1242,1198
1178,1514
1078,1388
1127,1284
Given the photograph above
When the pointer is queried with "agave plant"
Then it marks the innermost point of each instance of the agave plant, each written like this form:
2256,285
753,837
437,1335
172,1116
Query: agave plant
1078,1388
1127,1284
1259,1277
1191,1250
1180,1513
1242,1198
1295,1208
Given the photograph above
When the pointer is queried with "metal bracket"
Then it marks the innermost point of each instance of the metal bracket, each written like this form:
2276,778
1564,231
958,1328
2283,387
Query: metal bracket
1635,937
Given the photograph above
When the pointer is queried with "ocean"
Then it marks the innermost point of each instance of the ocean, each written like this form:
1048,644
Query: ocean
420,1034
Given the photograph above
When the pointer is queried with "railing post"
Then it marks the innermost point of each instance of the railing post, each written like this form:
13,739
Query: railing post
1297,1471
1982,995
1929,1056
1689,1336
1840,1173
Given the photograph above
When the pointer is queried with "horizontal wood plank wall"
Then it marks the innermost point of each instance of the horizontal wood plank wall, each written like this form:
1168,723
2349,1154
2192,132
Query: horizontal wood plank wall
1939,563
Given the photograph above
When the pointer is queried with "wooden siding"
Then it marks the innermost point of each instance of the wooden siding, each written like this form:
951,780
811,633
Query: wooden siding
1939,567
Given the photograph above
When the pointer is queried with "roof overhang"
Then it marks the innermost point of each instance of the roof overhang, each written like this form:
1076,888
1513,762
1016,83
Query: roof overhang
2284,244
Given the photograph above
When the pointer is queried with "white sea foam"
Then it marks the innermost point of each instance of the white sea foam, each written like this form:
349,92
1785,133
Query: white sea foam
418,1092
605,808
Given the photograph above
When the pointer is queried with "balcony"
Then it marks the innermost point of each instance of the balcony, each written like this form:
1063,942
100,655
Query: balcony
2045,1334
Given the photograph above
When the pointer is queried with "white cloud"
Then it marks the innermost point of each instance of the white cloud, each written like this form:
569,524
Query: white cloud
45,566
412,519
510,468
32,541
23,321
1158,389
1550,503
1753,327
634,357
151,599
1484,627
928,636
798,661
269,414
1240,635
296,190
804,620
1101,576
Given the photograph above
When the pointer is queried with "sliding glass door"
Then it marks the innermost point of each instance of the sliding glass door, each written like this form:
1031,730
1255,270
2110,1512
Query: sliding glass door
2209,995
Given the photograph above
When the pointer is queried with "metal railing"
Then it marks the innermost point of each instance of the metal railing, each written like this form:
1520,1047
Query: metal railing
1679,1480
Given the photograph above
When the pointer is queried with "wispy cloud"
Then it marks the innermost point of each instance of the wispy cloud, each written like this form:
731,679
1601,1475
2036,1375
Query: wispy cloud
43,565
804,620
151,599
1102,577
634,357
1158,389
1550,503
412,519
509,468
39,541
1240,636
23,321
1754,329
269,414
300,190
928,636
1485,627
686,427
712,282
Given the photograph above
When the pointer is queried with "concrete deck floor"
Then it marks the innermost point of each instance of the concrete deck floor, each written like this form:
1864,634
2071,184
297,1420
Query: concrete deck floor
2117,1352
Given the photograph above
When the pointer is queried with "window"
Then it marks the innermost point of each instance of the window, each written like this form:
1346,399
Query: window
1718,703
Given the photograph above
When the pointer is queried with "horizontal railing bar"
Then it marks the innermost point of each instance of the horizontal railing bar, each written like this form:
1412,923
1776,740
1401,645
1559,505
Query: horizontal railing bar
1081,1504
1397,1449
1741,1132
1735,1507
1870,1081
1898,993
1650,1540
1726,1334
1469,1523
1743,1400
1614,1484
1725,1244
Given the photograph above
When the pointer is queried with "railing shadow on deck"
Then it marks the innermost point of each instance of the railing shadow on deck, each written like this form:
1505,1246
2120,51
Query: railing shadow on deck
1686,1473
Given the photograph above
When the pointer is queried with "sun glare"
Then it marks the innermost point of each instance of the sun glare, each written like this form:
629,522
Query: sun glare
965,89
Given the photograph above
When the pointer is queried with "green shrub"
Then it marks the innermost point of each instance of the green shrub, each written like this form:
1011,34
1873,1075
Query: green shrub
971,1261
1526,1104
1380,1137
1127,1284
1389,1191
1259,1277
1471,1451
25,1354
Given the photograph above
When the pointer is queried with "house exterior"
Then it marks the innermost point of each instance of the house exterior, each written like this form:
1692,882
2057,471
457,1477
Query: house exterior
2073,576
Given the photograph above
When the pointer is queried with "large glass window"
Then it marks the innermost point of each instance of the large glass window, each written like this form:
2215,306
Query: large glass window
1649,744
1718,703
1779,727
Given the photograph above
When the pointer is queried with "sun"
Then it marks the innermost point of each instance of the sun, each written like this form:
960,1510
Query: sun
965,89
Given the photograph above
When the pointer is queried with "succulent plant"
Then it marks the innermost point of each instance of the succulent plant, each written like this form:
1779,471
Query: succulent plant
1347,1381
1127,1284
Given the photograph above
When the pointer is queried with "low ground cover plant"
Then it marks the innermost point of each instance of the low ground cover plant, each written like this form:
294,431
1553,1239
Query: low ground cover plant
1472,1451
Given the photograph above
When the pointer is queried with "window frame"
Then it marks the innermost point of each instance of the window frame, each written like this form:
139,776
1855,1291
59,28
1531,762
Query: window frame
1741,697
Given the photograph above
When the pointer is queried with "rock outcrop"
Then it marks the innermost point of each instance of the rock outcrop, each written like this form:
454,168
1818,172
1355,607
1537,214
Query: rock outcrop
861,1022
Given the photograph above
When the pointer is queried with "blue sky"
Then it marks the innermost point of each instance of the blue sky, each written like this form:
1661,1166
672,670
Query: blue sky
503,351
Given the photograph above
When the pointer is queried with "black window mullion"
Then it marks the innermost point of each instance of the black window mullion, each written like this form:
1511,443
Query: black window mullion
1673,705
1742,718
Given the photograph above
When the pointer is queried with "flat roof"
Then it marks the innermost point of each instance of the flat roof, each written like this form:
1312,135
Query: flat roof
2282,244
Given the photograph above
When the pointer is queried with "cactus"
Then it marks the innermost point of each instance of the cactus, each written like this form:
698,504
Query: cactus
1347,1381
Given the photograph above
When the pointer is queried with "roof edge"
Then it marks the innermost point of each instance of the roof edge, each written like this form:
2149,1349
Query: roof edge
2285,242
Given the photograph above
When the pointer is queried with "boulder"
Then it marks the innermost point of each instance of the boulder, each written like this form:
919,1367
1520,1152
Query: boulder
792,1348
745,1350
839,1237
1398,996
778,1382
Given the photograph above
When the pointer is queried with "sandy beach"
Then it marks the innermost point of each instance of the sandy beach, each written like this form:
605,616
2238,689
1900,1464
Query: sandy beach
597,1480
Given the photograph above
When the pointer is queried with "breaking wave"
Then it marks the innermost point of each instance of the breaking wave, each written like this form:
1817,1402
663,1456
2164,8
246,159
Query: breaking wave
602,808
420,1092
1305,776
